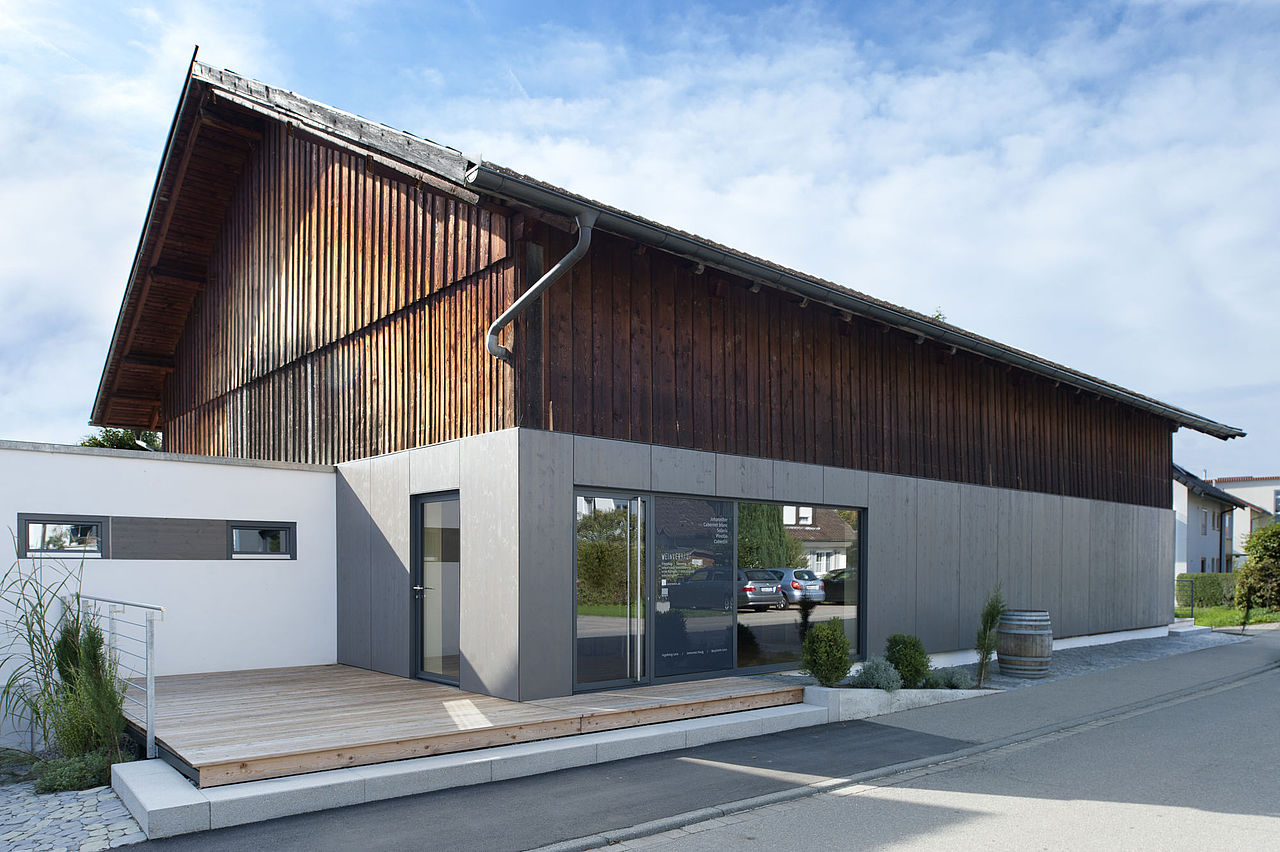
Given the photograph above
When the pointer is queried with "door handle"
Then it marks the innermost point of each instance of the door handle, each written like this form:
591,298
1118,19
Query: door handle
421,588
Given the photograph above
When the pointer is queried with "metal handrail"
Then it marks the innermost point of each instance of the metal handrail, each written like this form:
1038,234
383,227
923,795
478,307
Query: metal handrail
154,613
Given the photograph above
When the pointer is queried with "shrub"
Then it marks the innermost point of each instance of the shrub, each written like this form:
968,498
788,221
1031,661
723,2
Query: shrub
906,653
1259,579
987,638
79,772
1209,589
877,673
950,678
825,652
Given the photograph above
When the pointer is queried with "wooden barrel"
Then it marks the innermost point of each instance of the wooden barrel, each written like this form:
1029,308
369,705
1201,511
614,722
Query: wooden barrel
1024,644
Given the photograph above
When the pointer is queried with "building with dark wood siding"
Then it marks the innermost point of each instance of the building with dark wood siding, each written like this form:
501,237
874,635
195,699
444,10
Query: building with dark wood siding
314,287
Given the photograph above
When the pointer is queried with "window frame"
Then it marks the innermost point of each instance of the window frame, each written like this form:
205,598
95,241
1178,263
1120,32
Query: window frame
290,528
28,552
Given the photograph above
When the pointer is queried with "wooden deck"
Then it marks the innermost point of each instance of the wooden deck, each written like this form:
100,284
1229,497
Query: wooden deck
228,727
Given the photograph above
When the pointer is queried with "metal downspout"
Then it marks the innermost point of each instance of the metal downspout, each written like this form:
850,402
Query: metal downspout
586,219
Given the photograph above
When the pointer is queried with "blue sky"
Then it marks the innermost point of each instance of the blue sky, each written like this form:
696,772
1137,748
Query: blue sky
1093,182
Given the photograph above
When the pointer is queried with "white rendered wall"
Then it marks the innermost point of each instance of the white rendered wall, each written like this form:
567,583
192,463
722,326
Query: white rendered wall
1259,492
221,615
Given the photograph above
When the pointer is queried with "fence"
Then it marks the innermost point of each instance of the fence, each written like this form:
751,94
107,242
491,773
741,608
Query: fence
133,644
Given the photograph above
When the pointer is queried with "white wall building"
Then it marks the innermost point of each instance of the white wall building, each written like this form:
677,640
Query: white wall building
1262,494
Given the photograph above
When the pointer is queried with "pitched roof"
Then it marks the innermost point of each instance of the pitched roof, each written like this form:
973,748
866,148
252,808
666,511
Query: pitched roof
220,112
827,526
1206,489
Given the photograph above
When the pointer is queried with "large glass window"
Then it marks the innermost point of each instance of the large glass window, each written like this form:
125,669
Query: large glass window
811,554
693,613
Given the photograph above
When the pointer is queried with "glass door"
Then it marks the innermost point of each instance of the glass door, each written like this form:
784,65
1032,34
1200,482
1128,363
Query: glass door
436,579
611,595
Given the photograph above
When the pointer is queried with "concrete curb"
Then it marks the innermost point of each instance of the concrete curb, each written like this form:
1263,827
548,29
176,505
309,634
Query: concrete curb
653,827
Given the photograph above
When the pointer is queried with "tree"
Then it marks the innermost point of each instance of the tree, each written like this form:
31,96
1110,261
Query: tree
122,439
763,541
1258,582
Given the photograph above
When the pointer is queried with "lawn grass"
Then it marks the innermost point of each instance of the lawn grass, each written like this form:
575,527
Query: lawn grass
1226,616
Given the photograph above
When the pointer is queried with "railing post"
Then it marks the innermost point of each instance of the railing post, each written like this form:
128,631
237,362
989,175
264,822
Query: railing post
112,609
151,684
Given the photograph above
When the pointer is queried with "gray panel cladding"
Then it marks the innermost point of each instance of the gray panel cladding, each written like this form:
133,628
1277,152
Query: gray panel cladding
168,538
353,526
389,597
547,518
1046,556
1074,613
938,569
892,540
976,547
1013,547
489,502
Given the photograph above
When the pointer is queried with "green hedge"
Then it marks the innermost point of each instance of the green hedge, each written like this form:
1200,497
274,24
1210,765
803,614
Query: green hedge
1210,589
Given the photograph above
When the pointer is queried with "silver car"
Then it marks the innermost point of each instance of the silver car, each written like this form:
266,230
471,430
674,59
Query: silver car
799,584
758,590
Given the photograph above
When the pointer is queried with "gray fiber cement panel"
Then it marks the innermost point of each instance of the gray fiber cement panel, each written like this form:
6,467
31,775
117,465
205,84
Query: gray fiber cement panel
389,564
745,478
1163,601
1103,582
844,488
434,469
1046,556
352,532
599,462
794,482
938,564
490,592
1073,617
679,471
546,563
1013,548
891,558
977,547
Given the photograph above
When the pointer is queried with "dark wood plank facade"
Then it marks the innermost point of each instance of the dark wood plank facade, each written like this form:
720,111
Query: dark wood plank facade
314,304
639,346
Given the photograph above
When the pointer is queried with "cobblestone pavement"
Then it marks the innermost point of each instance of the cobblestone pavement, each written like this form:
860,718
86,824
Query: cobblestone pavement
1069,662
84,820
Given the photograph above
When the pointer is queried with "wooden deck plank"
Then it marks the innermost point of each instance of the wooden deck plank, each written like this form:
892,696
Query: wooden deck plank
240,726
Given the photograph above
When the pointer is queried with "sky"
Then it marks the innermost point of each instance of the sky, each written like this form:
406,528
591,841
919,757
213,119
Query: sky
1095,183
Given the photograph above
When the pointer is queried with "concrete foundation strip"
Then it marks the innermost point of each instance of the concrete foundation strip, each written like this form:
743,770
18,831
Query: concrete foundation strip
902,772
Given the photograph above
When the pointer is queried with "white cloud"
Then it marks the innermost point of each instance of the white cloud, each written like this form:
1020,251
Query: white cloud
83,116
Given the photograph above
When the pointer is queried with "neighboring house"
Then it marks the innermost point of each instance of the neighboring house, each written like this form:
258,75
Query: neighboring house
1262,496
320,298
826,536
1203,525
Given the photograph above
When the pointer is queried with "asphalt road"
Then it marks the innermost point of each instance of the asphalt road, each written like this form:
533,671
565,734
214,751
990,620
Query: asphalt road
544,809
1198,773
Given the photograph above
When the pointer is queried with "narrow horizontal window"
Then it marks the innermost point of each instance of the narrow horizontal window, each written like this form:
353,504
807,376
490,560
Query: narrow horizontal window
62,535
247,540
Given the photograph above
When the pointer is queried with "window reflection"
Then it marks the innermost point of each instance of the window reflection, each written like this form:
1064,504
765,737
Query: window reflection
812,553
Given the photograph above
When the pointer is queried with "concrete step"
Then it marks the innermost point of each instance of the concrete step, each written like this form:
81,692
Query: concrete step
165,803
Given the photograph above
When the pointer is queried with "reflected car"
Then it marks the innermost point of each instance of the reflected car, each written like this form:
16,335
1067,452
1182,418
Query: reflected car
706,588
841,586
798,585
758,589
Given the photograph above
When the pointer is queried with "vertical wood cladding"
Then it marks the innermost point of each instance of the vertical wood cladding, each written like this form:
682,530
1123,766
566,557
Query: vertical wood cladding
345,312
344,316
637,346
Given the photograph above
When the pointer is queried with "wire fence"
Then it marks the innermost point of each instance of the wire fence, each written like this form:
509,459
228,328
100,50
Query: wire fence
129,628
